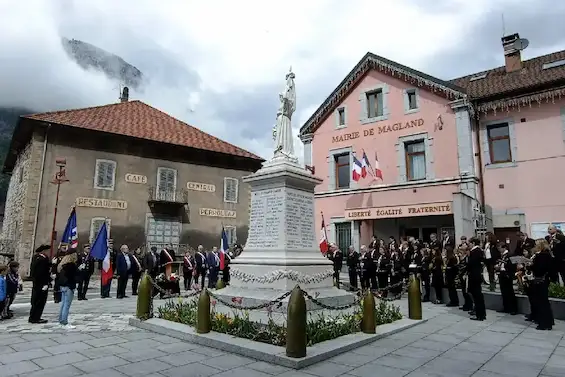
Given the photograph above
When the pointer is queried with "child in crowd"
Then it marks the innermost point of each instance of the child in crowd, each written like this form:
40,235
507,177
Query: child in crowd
13,284
3,272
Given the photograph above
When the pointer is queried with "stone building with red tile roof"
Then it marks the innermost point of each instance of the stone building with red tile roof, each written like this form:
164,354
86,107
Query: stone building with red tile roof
154,179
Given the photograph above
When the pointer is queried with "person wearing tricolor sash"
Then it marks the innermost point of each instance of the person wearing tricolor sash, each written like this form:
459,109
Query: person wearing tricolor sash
187,270
167,258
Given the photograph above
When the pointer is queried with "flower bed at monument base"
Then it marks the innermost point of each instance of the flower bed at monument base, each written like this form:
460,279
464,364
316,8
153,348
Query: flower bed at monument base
319,328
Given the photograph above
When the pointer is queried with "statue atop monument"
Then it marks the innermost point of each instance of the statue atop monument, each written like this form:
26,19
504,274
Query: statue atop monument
282,133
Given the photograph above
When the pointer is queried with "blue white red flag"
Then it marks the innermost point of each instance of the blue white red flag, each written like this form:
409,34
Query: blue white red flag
224,248
357,170
100,251
70,235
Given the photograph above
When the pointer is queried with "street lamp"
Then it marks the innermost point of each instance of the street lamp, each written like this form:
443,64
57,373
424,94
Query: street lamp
60,177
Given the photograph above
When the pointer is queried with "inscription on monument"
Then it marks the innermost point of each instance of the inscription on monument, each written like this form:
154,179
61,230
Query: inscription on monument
299,223
266,218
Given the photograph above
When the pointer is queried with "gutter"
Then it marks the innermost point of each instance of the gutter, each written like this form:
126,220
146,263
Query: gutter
39,190
480,160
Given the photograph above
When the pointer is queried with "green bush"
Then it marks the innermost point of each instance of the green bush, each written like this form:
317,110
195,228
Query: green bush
556,290
318,329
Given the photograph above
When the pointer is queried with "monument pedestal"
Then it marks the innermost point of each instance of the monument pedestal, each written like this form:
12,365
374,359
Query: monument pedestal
282,248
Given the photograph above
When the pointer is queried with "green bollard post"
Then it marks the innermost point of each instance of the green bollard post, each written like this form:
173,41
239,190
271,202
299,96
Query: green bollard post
203,320
414,298
369,324
144,298
296,324
220,284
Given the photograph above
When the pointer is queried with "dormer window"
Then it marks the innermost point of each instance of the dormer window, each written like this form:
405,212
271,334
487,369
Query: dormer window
555,64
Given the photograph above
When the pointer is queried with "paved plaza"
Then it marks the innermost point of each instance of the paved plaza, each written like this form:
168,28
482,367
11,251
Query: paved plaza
103,344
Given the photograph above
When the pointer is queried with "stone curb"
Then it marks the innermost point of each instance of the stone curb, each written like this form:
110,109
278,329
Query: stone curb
267,352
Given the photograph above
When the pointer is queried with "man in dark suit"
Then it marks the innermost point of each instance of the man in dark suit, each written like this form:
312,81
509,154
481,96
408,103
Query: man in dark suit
136,270
151,262
213,261
123,267
447,240
524,246
85,271
201,265
336,256
475,276
41,278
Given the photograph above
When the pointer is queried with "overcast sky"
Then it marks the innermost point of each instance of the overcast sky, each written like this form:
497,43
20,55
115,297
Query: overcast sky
220,64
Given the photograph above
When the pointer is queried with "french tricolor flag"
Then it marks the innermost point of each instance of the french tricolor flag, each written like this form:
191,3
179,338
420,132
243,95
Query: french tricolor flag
357,170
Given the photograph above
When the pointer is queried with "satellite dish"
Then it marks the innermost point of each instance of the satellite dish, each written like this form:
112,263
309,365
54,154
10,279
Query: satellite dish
521,44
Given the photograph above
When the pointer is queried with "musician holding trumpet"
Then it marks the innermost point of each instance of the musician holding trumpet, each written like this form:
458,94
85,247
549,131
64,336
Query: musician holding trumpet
506,271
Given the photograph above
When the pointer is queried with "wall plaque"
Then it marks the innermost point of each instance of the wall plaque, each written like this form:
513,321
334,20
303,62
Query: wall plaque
414,210
136,178
213,212
101,203
197,186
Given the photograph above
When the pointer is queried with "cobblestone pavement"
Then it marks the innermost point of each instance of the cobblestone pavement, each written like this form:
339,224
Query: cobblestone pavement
448,345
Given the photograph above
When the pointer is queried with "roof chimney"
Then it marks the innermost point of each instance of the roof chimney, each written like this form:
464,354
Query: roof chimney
512,56
125,95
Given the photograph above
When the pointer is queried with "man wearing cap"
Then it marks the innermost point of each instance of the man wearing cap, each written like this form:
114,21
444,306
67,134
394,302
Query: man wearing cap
40,276
85,270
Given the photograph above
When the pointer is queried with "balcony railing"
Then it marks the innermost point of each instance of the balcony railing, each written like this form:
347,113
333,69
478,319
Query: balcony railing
166,195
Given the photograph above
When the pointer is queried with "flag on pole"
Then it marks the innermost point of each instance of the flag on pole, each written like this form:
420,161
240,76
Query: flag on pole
70,235
378,171
224,248
356,170
99,251
366,165
324,238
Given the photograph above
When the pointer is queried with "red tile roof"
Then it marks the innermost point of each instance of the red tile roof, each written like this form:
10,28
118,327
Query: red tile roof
139,120
498,83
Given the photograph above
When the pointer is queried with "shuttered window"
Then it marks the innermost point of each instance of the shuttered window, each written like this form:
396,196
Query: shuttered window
231,234
105,175
231,190
166,184
95,225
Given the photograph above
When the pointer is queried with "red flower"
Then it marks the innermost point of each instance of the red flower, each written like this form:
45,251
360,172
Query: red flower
213,302
237,300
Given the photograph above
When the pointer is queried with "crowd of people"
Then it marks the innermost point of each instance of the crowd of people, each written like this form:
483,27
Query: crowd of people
441,263
71,271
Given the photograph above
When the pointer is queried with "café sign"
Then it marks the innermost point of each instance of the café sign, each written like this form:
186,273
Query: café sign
101,203
136,178
415,210
197,186
416,123
213,212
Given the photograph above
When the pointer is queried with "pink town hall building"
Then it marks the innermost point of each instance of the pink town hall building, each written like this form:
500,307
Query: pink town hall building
484,152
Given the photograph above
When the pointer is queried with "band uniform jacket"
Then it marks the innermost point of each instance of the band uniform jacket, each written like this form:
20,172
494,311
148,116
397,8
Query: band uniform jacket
374,245
542,266
383,264
558,246
88,268
434,245
136,265
40,269
337,258
365,263
475,266
506,268
395,263
528,244
187,265
353,260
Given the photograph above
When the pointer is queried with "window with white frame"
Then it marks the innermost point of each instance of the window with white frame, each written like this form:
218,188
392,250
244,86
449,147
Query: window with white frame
375,103
105,175
96,225
166,184
411,100
342,163
415,160
231,234
231,190
341,117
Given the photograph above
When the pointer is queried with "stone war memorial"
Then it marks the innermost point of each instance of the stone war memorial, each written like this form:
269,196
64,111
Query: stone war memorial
281,305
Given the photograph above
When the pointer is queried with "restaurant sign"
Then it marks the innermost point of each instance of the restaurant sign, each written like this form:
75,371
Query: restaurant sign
101,203
387,128
414,210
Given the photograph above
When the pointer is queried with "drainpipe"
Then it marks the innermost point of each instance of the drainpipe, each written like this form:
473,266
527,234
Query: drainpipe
480,161
39,190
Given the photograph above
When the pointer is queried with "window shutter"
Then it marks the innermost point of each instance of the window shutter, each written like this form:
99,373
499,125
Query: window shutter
385,91
230,190
105,174
406,100
401,161
308,153
331,172
363,103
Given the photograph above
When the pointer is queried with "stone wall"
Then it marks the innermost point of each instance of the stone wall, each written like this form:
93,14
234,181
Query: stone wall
21,202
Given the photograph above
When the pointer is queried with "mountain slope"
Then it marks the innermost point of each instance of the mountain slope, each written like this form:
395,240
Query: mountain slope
88,57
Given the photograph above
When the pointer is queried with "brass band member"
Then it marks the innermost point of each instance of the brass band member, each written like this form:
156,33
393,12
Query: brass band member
557,246
475,275
336,256
373,268
451,273
426,271
365,268
353,266
396,273
524,246
506,271
437,275
491,257
541,267
383,271
463,251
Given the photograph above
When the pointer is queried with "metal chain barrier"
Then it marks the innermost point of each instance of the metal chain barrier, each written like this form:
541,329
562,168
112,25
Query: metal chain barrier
251,307
355,302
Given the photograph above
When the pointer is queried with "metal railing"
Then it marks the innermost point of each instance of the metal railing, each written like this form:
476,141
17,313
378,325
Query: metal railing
167,195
